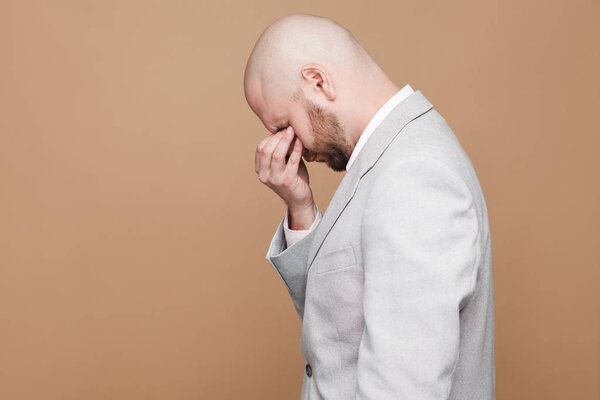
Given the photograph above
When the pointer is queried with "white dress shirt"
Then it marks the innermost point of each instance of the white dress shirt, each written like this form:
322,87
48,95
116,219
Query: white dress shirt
293,236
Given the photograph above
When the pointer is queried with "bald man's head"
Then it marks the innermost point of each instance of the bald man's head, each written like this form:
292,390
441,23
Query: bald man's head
310,73
296,40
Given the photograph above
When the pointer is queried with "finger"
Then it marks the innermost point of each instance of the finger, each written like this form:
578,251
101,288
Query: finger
295,157
278,159
265,155
259,149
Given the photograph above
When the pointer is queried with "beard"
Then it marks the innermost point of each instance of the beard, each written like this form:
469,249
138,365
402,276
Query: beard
330,140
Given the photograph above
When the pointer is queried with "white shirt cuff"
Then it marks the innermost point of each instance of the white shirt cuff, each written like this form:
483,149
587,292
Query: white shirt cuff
293,236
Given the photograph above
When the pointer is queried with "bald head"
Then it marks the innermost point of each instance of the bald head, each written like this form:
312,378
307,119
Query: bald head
296,40
310,73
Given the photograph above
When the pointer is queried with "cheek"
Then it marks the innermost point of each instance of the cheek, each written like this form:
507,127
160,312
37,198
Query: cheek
307,141
303,130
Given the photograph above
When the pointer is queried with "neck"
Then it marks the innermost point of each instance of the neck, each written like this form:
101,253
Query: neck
371,103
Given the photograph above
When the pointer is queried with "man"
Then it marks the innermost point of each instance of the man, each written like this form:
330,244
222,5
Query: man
393,284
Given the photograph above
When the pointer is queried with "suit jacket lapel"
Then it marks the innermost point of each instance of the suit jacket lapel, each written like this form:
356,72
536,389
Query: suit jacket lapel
410,108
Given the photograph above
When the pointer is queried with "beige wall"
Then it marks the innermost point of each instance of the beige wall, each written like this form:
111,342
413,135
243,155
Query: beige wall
134,229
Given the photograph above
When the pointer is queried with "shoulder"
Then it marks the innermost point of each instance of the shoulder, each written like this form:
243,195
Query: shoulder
428,141
425,172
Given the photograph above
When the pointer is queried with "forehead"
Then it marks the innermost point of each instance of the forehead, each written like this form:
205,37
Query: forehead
270,110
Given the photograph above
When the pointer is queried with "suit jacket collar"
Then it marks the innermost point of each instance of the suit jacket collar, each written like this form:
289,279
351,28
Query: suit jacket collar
410,108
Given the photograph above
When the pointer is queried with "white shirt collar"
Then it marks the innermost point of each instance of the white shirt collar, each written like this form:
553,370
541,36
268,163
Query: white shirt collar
377,119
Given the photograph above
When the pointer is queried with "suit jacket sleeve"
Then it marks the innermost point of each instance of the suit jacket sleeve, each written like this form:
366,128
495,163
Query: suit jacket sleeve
420,247
291,262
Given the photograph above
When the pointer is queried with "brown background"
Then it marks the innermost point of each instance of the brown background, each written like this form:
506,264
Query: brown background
134,229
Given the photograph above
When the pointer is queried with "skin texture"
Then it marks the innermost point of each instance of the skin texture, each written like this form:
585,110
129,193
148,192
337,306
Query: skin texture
309,75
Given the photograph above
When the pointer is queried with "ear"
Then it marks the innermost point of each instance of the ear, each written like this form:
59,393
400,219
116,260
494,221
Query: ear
319,79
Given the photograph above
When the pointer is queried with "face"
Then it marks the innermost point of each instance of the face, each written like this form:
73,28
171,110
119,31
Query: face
320,131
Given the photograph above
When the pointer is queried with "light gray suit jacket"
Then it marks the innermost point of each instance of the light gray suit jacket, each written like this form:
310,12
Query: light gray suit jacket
394,284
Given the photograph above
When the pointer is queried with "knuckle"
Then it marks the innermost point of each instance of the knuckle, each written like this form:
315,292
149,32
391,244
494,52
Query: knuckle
276,181
286,181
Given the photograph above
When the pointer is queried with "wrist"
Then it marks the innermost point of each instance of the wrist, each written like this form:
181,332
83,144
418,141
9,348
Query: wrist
301,217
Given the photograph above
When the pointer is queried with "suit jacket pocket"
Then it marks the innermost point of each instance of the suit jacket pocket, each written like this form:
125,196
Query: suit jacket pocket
336,259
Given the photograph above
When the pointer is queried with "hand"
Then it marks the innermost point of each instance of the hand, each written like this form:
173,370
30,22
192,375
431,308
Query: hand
286,176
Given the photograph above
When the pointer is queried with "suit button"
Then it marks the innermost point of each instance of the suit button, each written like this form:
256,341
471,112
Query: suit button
308,370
